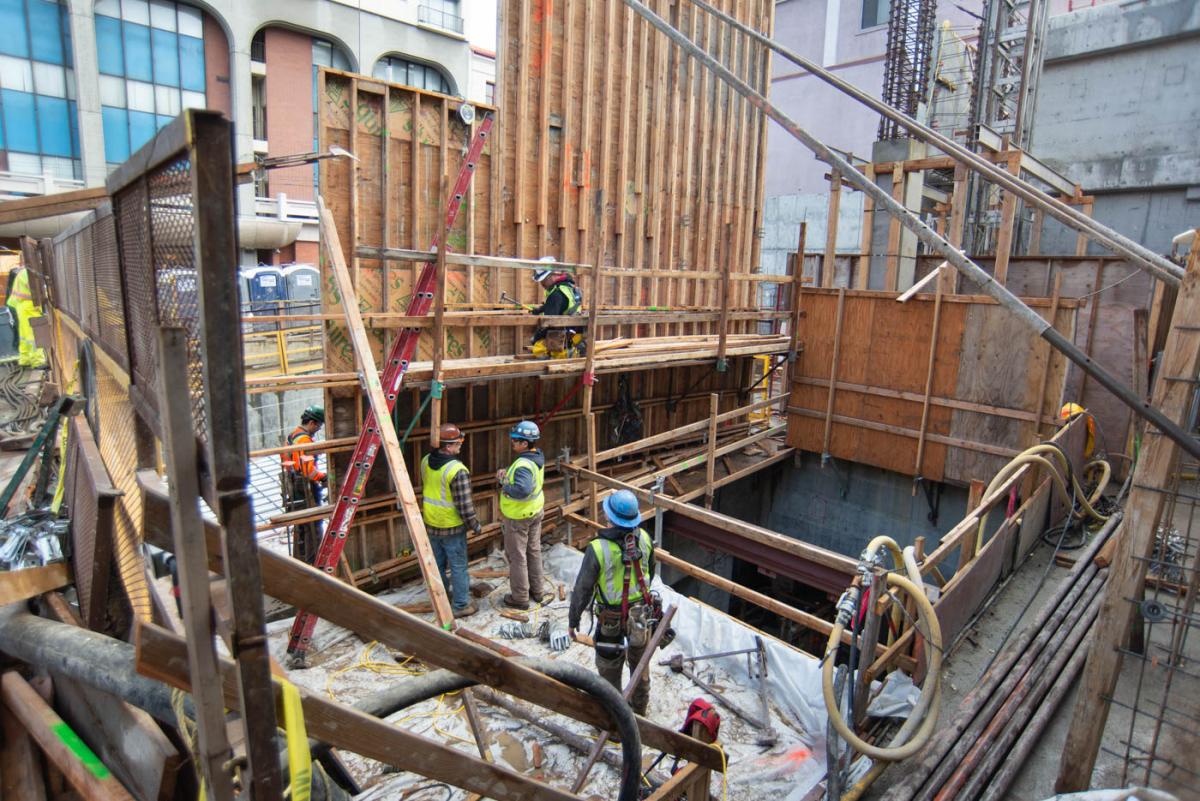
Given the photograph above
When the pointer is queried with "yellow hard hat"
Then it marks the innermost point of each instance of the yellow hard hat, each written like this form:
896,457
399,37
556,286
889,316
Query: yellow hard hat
1070,410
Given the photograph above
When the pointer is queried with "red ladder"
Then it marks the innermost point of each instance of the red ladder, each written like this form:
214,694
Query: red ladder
369,441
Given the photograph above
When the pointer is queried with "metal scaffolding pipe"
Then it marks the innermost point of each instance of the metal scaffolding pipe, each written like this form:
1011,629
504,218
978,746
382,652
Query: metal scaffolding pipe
1161,267
957,258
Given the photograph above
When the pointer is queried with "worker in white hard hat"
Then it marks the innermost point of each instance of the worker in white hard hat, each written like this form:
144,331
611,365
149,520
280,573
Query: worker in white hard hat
563,298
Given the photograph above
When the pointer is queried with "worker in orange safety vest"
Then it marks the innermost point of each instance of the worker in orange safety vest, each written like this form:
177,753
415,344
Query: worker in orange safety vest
303,483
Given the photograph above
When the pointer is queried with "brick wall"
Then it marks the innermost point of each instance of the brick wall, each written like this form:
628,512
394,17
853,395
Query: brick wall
216,68
289,108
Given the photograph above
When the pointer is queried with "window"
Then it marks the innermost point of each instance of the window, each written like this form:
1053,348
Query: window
258,47
151,57
875,12
441,14
258,102
489,93
39,130
410,73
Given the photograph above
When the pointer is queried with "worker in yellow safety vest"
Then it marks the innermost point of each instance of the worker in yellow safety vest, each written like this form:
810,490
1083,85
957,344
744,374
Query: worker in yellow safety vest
20,301
563,298
448,509
614,578
521,505
303,483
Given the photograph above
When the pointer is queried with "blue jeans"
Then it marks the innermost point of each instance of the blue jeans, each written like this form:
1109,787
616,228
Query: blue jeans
451,552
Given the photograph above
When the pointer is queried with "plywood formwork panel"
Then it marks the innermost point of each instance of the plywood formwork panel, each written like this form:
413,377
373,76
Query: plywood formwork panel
983,389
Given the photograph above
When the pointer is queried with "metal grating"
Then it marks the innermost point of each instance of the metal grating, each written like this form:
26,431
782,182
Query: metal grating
130,208
172,233
110,304
90,497
86,280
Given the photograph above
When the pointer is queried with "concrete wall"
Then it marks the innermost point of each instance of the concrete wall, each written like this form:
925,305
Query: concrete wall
1119,112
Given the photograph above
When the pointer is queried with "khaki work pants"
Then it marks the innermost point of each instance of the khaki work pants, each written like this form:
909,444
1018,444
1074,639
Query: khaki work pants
523,547
610,667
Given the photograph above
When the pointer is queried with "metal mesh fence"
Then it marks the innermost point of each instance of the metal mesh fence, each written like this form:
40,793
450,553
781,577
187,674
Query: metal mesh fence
131,209
110,304
172,228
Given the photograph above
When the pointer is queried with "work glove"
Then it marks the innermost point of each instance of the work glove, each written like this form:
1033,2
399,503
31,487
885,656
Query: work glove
515,630
560,639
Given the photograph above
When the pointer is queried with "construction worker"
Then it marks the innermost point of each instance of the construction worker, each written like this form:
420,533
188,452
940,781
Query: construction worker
448,511
614,577
521,503
562,298
20,301
303,483
1070,411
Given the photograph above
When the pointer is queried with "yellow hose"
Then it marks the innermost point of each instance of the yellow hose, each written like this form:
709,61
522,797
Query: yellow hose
1033,456
928,700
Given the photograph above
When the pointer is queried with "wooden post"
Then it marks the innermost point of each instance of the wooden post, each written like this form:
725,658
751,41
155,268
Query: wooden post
439,330
405,493
831,229
179,442
593,333
833,370
958,217
1093,314
726,266
20,762
1044,381
933,339
1081,241
793,356
714,404
1035,235
1135,539
863,277
893,247
1008,219
591,462
969,541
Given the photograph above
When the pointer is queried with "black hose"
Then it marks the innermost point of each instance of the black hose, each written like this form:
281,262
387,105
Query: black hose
421,688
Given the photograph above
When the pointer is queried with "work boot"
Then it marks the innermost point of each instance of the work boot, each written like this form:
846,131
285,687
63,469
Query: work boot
512,603
467,610
541,600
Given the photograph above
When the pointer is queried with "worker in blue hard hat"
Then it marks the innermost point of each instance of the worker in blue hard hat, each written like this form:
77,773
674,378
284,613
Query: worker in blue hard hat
563,298
614,579
521,509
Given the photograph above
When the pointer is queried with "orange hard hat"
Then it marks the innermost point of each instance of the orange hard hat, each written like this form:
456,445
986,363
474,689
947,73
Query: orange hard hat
449,433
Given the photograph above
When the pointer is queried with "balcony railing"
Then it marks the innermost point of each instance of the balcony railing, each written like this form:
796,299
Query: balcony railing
427,15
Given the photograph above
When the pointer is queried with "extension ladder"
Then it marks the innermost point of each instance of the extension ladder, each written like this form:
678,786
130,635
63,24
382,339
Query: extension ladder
370,440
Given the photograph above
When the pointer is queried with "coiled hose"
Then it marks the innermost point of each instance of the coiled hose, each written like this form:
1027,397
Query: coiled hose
920,724
1056,471
421,688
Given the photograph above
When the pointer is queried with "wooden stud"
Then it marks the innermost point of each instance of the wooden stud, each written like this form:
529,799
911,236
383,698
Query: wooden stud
831,229
1008,218
1044,381
833,368
543,118
933,340
714,408
1093,313
1081,241
899,180
863,277
970,543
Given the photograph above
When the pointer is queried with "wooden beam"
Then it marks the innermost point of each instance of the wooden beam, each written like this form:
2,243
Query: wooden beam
892,276
917,397
763,536
1136,539
36,208
82,768
161,655
20,762
21,585
1008,219
863,275
980,447
383,419
714,406
1044,380
294,582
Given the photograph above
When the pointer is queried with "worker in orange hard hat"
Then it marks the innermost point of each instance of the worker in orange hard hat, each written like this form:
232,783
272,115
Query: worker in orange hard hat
1071,410
448,511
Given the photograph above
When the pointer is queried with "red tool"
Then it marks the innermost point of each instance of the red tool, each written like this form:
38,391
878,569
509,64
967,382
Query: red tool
369,441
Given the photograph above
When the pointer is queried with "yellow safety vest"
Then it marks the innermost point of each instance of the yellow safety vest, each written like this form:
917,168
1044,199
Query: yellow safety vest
514,509
437,502
612,569
571,293
20,289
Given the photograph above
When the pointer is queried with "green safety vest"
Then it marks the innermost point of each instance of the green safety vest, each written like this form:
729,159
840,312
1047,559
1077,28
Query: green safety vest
514,509
612,568
437,503
572,296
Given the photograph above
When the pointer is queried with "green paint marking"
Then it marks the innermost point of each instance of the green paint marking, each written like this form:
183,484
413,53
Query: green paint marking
80,749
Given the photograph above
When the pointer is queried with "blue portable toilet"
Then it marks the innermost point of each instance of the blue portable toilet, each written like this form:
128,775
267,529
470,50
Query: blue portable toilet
303,285
267,291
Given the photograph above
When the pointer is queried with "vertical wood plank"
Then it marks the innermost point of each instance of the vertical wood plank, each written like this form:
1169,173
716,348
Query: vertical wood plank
933,340
833,368
863,276
831,228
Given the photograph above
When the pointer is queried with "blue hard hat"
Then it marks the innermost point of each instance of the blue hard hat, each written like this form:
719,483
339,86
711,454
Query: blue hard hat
621,508
526,430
